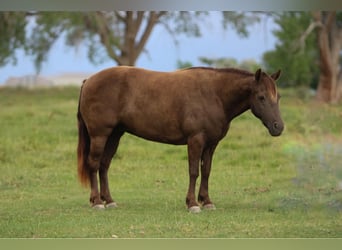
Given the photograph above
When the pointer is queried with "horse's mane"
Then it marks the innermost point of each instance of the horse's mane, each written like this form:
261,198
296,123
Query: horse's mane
228,70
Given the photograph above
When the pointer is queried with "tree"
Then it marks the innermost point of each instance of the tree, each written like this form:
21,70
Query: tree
297,61
309,50
119,35
12,30
329,39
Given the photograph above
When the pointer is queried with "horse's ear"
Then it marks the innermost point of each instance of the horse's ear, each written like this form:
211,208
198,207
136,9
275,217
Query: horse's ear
276,75
258,75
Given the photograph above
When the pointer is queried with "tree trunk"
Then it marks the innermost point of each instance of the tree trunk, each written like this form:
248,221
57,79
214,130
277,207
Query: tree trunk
329,37
137,28
134,25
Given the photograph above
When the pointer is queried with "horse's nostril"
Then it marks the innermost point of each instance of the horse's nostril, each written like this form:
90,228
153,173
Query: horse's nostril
278,126
275,125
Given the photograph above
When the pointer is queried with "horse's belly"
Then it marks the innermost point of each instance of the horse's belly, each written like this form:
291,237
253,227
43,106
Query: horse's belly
157,136
160,129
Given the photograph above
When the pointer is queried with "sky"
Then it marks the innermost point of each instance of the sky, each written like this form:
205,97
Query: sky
163,53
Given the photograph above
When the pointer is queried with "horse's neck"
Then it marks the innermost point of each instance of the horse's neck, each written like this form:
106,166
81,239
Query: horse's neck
235,94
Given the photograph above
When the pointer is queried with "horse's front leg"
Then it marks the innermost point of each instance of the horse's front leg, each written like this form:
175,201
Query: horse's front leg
195,148
203,195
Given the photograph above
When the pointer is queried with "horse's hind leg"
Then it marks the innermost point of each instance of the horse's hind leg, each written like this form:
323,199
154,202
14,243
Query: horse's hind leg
109,151
97,145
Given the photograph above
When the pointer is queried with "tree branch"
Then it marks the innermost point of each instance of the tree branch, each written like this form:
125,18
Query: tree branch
331,19
105,36
119,16
153,19
138,21
161,13
307,32
170,31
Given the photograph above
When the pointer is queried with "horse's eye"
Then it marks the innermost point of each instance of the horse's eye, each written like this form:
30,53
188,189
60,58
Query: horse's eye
261,98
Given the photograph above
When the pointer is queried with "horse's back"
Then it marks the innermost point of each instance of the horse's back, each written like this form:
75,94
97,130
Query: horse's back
141,87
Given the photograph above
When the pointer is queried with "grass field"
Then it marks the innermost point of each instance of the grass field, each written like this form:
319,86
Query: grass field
290,186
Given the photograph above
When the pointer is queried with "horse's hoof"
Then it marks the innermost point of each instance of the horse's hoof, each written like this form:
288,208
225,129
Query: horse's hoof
194,209
98,207
111,205
209,206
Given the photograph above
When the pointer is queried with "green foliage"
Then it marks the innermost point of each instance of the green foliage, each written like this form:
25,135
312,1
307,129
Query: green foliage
219,62
249,64
12,31
240,21
47,29
183,64
299,61
262,186
184,22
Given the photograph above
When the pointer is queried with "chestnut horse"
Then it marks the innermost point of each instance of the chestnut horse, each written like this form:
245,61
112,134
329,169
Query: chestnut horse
192,107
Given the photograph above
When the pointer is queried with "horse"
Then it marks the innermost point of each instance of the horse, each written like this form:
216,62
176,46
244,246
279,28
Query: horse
192,106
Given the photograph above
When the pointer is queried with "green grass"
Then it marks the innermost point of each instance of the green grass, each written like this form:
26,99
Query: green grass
290,186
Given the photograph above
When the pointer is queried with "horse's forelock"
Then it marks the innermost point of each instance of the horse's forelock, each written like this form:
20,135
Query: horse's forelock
271,88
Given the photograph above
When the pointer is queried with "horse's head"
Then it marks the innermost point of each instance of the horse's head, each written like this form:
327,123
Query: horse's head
265,102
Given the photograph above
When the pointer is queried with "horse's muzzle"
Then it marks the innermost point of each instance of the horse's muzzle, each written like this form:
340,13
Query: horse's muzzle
276,128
